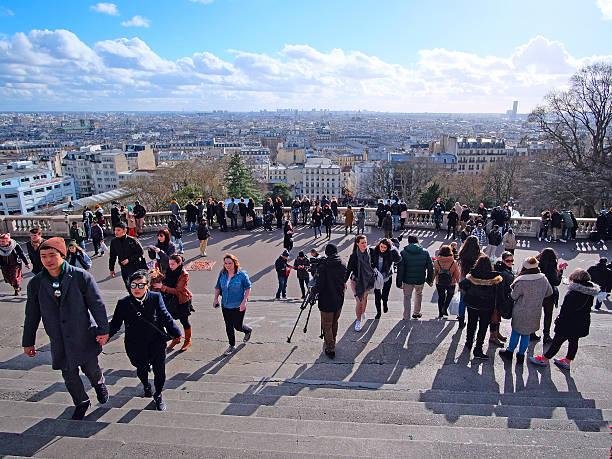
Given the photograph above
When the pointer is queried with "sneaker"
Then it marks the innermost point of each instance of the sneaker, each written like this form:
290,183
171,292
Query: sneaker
520,359
564,364
230,350
539,360
101,393
540,239
80,410
506,355
363,318
247,336
563,240
478,354
377,316
358,325
148,392
160,405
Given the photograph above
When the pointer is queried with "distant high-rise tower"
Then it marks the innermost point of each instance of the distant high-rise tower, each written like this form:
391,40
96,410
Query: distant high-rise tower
514,107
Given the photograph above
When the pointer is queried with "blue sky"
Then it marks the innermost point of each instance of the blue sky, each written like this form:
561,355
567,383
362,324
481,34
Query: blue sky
446,56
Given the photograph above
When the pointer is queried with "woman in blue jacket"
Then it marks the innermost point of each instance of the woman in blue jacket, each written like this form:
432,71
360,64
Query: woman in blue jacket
234,287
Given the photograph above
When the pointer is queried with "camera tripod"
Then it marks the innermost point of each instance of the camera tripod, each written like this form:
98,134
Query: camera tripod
309,299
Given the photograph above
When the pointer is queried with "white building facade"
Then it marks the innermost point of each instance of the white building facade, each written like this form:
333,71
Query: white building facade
26,188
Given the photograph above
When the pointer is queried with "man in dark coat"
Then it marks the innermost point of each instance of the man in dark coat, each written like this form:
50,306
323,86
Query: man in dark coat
191,216
33,247
115,215
147,326
139,215
128,251
69,303
602,276
330,286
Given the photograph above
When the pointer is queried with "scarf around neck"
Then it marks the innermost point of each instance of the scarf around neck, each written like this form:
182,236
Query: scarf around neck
6,251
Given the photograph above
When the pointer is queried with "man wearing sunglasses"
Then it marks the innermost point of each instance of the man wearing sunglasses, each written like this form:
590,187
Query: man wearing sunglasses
69,303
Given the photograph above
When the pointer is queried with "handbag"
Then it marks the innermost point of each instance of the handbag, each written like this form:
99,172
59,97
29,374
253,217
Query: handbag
453,307
139,315
379,280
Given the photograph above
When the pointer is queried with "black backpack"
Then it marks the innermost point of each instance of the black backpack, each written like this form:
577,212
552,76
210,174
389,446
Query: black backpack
445,279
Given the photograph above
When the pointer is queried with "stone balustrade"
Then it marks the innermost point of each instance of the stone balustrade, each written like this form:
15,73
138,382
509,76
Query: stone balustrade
20,225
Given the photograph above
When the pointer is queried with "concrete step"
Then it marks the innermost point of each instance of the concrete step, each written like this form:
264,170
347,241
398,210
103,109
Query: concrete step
317,428
62,447
30,389
291,443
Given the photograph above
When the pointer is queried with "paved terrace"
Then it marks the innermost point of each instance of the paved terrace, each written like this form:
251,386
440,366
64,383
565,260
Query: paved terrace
396,389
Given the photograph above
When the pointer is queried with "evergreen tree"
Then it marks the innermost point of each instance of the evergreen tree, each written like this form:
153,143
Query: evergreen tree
238,179
429,196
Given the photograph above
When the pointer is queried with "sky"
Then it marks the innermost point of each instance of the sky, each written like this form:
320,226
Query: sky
446,56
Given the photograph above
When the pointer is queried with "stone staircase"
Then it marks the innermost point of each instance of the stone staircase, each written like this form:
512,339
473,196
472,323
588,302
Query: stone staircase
394,390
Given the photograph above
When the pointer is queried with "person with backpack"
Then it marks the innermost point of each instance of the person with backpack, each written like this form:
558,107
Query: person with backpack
139,215
446,277
494,239
78,235
176,231
528,291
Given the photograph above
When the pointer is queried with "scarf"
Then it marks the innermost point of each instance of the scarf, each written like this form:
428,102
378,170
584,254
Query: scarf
172,277
365,273
6,251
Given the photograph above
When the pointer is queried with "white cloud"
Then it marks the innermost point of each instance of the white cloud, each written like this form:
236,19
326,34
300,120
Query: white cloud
4,11
606,9
54,69
105,8
137,21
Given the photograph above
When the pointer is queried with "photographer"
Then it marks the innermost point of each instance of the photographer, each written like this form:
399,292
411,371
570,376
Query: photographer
330,286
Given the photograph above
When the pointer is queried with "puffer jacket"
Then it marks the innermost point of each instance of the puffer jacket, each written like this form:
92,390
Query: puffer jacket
574,320
482,290
416,266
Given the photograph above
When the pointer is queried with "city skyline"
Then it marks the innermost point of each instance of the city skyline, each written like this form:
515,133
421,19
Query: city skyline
462,57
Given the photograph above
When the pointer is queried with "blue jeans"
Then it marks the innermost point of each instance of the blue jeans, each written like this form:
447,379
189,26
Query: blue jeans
514,340
461,306
178,242
396,219
282,286
317,228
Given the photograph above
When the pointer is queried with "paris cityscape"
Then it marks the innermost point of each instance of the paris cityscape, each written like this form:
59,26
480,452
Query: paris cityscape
256,228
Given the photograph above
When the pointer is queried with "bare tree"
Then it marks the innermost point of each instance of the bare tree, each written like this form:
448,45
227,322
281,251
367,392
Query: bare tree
501,180
412,177
380,184
577,121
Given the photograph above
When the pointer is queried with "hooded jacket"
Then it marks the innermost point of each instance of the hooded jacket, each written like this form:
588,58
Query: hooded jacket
482,290
330,284
528,292
574,320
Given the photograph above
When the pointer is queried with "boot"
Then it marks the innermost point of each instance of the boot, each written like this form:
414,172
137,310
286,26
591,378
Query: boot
173,344
377,316
493,339
501,337
187,342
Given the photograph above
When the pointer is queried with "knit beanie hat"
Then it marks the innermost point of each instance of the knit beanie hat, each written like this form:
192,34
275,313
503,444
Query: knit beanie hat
331,249
56,243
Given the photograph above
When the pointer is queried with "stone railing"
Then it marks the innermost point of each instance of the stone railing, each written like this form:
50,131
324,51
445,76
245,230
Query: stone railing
20,225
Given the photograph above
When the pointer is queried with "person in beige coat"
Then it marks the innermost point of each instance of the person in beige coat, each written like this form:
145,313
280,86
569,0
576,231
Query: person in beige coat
509,241
528,290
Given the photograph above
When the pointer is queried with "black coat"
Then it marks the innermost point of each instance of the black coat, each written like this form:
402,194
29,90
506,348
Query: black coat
147,334
191,212
139,211
505,307
203,232
115,217
330,283
600,275
465,215
574,320
126,247
452,218
483,291
34,255
389,257
72,326
301,266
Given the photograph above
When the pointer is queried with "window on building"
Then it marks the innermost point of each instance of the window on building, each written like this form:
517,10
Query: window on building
25,179
7,183
49,188
10,195
39,190
27,193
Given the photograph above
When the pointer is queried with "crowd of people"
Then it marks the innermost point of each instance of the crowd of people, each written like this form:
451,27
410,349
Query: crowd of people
468,277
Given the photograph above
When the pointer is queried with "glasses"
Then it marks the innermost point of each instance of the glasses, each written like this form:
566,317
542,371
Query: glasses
139,285
509,260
